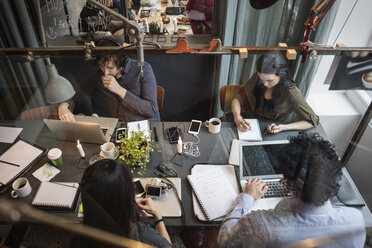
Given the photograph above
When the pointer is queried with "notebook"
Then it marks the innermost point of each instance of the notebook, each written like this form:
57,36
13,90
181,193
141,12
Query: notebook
254,134
16,160
214,192
228,170
57,196
139,126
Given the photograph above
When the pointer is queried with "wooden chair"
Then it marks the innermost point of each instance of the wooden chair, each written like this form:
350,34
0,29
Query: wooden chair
39,113
160,97
227,94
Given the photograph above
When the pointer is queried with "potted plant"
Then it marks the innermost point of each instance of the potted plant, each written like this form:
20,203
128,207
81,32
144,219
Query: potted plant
135,150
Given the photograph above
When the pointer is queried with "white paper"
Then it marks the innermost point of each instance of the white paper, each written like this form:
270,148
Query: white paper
254,134
9,134
46,172
139,126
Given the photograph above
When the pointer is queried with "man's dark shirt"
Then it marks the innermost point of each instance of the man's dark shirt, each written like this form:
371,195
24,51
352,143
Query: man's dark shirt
139,103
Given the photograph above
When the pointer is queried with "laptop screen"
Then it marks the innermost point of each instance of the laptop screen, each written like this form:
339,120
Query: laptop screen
261,160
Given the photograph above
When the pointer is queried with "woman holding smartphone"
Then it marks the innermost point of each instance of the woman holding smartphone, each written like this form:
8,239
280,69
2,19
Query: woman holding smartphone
271,95
110,185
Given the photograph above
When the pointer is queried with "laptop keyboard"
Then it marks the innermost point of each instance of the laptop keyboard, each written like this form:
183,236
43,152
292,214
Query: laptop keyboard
104,131
275,189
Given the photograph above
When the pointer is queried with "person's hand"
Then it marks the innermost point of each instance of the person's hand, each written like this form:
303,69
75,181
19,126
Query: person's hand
64,113
242,124
283,181
147,205
111,84
273,128
255,188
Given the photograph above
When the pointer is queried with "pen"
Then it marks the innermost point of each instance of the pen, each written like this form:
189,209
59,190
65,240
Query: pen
155,135
9,163
139,127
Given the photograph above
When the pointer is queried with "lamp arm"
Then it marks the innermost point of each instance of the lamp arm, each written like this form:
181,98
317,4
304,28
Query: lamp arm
132,30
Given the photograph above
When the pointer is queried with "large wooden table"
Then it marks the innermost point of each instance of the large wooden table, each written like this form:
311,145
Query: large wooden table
214,149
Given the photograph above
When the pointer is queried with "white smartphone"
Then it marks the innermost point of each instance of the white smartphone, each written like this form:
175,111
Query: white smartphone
194,127
139,188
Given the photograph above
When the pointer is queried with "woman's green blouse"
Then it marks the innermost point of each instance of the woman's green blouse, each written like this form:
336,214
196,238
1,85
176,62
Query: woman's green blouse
293,102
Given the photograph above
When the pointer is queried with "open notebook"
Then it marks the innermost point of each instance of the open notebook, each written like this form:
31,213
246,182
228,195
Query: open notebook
229,172
254,134
214,192
57,196
16,160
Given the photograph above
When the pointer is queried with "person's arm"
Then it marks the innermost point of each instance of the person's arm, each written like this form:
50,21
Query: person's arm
241,124
64,112
146,105
146,204
308,118
236,228
298,125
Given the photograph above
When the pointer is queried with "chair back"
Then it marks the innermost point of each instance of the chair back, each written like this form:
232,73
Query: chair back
39,113
160,97
227,94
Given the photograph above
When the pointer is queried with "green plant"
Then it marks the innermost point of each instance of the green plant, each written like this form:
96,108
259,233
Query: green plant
154,28
135,151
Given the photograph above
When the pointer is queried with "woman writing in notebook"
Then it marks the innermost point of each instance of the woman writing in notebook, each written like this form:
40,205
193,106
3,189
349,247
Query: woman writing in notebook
271,95
110,185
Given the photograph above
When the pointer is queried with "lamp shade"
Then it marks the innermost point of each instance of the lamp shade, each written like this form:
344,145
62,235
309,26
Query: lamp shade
57,89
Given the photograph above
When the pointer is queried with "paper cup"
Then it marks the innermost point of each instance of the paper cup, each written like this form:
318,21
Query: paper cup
55,156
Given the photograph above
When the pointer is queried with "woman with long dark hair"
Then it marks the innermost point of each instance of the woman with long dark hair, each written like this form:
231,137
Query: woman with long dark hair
110,185
271,95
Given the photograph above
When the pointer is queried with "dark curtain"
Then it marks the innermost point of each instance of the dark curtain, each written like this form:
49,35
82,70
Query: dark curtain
21,82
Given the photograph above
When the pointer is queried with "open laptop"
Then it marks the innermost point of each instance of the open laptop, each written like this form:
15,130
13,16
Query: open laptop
87,129
259,160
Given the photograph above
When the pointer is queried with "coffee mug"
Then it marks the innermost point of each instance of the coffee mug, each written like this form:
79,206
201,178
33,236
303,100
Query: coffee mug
21,188
108,150
367,80
55,156
213,125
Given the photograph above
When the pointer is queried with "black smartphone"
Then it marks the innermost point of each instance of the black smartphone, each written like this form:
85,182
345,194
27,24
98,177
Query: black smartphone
120,133
173,134
152,190
139,188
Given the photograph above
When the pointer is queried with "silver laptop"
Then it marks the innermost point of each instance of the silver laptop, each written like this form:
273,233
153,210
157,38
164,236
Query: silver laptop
259,160
234,157
87,129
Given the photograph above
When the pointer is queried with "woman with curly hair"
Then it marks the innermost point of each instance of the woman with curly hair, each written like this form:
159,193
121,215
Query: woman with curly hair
271,95
312,173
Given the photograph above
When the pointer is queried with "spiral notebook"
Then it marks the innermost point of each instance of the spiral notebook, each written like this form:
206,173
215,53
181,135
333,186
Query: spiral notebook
214,192
57,196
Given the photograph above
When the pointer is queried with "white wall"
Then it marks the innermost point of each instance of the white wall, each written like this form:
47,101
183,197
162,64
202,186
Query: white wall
340,111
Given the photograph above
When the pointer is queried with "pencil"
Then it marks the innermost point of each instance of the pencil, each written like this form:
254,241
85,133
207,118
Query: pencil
5,162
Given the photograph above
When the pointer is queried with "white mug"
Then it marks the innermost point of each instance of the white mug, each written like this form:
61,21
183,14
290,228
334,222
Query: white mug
108,150
213,125
21,188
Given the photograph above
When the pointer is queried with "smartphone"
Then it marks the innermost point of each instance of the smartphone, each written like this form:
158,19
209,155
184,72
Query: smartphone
120,132
173,134
194,127
139,188
152,190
